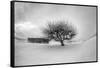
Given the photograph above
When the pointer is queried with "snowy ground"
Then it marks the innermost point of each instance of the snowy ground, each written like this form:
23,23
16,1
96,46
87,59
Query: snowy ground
33,54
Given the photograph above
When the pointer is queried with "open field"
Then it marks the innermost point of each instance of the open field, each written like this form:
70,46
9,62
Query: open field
33,54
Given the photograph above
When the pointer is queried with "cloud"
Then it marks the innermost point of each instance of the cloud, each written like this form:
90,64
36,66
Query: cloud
27,29
25,26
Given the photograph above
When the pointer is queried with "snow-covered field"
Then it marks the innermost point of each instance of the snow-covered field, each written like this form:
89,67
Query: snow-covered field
34,54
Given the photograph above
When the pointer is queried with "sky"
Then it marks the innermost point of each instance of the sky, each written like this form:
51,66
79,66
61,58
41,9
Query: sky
31,18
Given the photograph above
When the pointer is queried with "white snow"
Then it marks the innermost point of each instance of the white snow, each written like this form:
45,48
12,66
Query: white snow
33,53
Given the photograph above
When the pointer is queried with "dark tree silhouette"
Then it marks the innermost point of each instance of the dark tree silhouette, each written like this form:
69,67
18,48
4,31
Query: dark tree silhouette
60,31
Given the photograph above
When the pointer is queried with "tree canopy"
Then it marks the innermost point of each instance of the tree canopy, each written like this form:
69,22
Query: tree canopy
60,31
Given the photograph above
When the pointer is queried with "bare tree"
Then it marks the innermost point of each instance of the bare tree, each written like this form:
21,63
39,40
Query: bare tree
60,31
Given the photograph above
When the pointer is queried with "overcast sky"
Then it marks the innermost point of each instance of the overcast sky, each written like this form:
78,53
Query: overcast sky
30,18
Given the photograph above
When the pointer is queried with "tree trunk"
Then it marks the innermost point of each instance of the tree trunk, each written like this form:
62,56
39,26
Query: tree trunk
62,43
